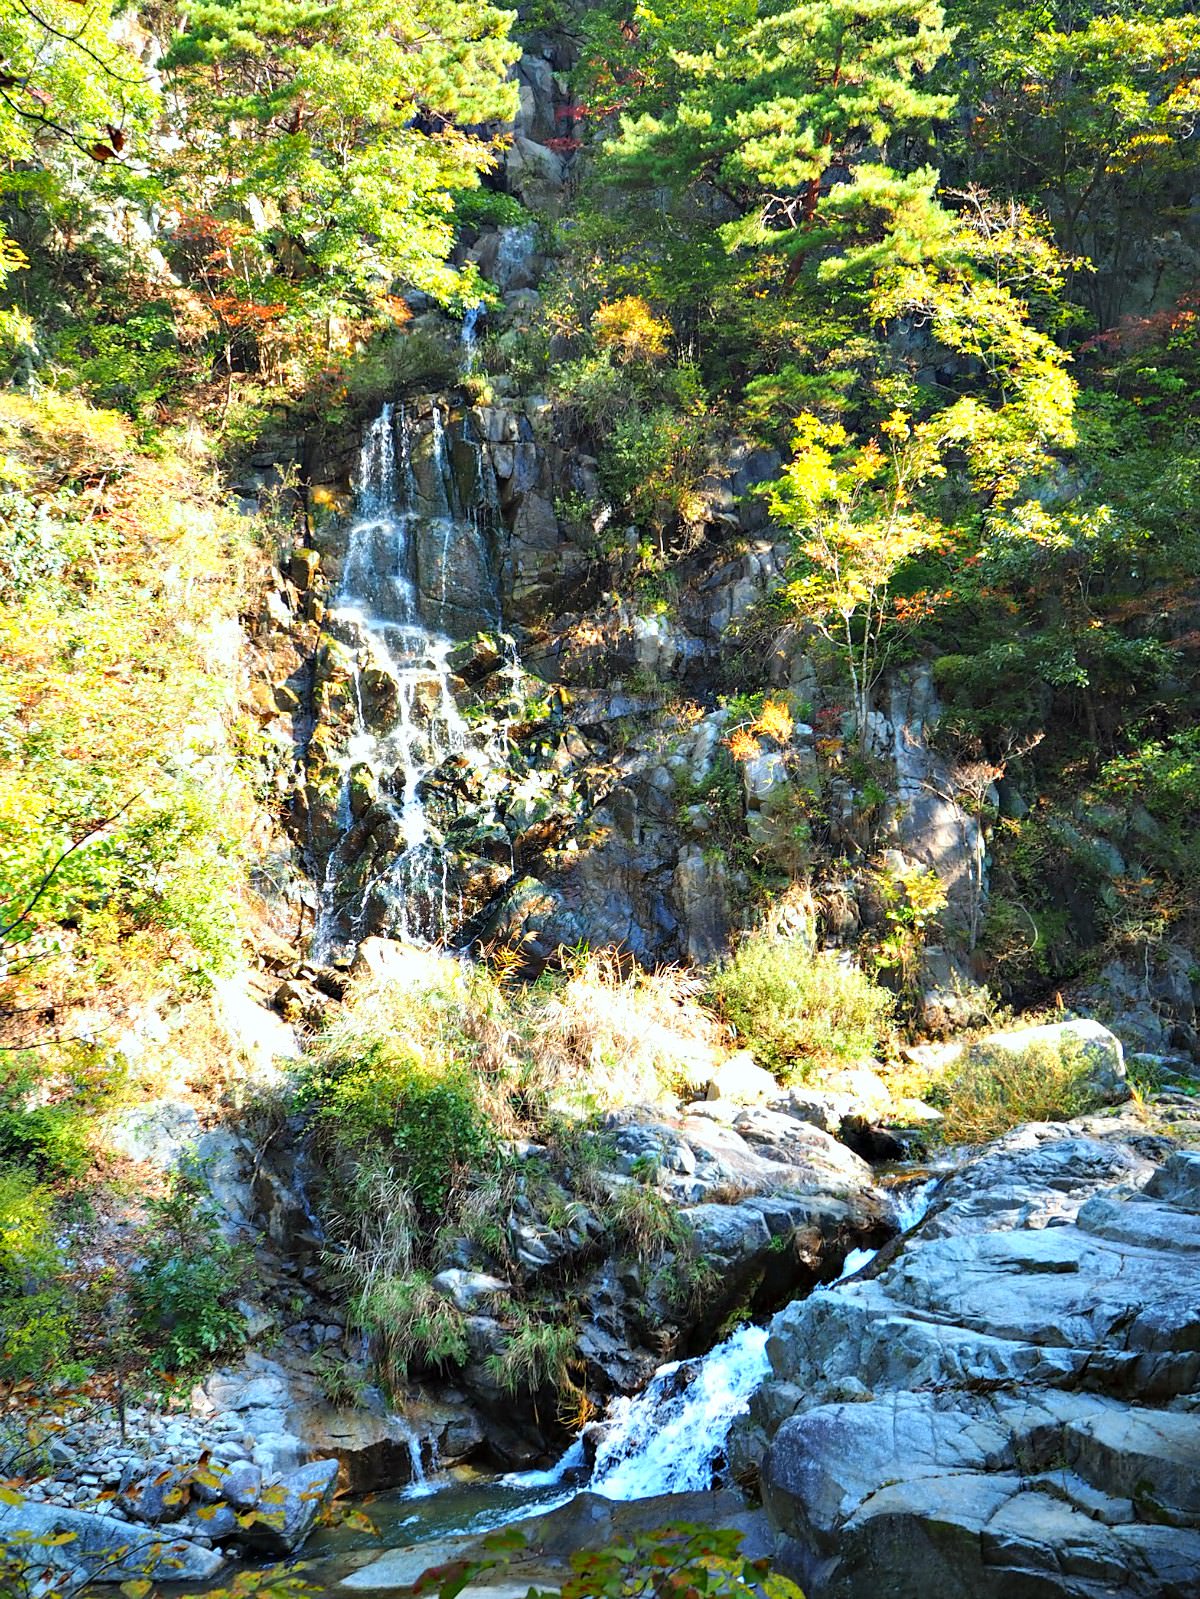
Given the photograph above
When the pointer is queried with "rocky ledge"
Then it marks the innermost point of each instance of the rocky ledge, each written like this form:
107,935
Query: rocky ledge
1009,1407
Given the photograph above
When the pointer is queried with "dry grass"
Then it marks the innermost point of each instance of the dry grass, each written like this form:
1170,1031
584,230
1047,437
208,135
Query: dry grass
621,1036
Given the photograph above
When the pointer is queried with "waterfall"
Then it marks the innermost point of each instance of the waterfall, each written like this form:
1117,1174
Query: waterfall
469,335
406,722
671,1437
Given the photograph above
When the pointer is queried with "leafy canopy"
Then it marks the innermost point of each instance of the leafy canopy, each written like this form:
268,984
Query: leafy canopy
763,103
339,127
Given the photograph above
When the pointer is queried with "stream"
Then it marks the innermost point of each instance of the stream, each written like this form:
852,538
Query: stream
669,1439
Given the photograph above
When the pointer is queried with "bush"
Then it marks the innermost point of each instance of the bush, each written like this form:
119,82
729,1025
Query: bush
48,1140
481,208
995,1089
797,1010
425,1112
35,1324
611,1034
190,1276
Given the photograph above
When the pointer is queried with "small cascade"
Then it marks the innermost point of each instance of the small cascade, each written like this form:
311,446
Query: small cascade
469,335
671,1437
388,872
911,1202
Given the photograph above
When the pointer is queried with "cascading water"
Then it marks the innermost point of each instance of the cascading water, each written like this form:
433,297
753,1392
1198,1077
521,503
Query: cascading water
671,1437
406,722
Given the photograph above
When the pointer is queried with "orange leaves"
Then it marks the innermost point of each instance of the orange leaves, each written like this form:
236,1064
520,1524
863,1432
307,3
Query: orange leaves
742,744
630,330
774,721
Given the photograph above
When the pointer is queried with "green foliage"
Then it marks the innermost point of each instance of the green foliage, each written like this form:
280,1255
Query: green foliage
754,105
425,1114
488,208
129,365
798,1010
119,810
35,1313
190,1276
342,125
413,1325
997,1088
1087,113
537,1355
1164,776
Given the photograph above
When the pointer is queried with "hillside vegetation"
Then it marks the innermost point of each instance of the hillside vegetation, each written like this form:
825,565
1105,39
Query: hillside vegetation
938,266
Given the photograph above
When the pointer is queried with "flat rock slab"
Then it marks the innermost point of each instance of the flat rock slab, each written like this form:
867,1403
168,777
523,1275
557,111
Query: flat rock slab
1011,1408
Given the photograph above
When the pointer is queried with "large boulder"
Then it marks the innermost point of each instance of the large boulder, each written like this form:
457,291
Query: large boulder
99,1547
1007,1408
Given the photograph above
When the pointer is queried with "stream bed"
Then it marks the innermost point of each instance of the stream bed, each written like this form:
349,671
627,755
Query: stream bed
656,1456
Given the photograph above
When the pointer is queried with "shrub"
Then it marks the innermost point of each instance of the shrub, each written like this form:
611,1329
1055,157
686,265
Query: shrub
481,208
189,1278
425,1112
995,1089
50,1140
611,1034
35,1322
630,329
796,1009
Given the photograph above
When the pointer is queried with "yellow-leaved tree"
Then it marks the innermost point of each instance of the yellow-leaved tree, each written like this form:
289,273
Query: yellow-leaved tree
933,475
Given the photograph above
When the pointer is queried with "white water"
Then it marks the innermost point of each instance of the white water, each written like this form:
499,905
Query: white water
671,1437
469,335
397,662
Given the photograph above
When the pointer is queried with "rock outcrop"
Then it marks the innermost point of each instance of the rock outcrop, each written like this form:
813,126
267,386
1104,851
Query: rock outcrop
1010,1407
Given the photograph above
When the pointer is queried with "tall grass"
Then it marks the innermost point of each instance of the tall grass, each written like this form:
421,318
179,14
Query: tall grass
995,1089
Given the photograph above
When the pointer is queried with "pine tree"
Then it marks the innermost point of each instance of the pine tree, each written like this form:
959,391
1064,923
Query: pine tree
770,112
341,127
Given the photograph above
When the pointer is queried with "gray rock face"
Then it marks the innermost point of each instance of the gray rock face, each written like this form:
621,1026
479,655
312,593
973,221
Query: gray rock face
103,1548
287,1510
1008,1408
